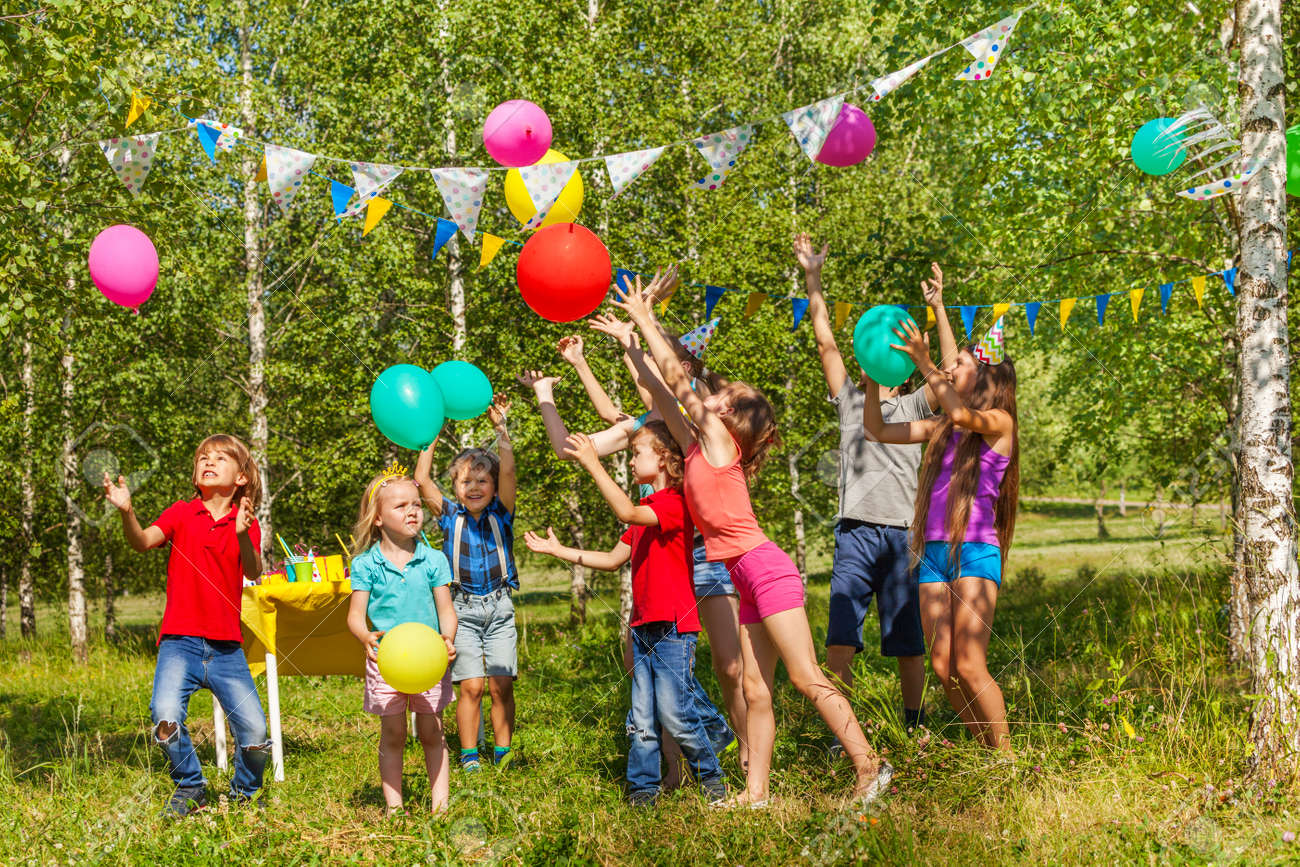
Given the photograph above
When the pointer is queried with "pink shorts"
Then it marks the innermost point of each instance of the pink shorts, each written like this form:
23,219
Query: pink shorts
382,699
767,582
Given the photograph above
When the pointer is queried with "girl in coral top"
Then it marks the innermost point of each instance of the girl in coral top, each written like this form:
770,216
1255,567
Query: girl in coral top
734,430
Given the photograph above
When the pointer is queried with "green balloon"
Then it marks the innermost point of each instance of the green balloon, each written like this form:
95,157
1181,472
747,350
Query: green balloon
871,339
1154,155
1293,160
407,406
466,391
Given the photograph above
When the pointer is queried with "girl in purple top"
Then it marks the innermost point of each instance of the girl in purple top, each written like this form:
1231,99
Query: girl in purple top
965,514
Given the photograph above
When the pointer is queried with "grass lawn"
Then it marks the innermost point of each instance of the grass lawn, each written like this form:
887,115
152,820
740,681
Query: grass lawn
1127,723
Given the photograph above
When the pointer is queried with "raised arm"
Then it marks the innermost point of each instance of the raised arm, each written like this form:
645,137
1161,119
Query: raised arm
932,289
832,362
506,478
873,422
580,449
570,349
625,334
606,561
424,480
139,538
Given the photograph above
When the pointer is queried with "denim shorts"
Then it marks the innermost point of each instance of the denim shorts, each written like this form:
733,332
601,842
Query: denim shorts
978,560
711,579
486,640
872,562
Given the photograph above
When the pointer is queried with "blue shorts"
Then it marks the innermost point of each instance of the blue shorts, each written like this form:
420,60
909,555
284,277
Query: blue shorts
978,560
711,579
871,560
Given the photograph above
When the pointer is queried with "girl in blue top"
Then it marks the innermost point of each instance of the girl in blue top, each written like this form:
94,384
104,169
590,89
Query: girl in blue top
396,578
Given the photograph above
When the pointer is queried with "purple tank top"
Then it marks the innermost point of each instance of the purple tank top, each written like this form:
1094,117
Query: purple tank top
981,527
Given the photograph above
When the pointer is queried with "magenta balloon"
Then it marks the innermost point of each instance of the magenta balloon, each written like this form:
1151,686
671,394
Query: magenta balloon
851,140
517,133
124,265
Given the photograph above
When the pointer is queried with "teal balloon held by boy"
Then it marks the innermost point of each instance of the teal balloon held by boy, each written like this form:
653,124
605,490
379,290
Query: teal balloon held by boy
872,337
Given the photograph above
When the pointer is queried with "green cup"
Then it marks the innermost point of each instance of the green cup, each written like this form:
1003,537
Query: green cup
302,571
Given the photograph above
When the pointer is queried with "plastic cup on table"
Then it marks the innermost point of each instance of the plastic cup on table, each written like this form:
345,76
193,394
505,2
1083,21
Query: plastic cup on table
302,571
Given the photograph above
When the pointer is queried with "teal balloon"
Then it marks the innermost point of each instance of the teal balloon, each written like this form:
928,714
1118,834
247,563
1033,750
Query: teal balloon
406,404
1157,157
871,339
1293,160
466,391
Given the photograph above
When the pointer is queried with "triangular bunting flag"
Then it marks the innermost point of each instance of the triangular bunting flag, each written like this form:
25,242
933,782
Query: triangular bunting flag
798,307
712,295
1031,314
1198,289
286,169
340,193
663,305
624,282
491,245
370,179
1000,310
544,182
1166,292
810,124
375,210
1102,301
886,84
131,157
721,149
223,136
986,47
1067,304
968,318
208,139
755,301
842,310
139,105
930,319
1135,301
444,232
1230,280
626,167
462,191
260,177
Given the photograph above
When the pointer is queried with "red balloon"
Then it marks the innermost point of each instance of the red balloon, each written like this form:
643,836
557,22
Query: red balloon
563,272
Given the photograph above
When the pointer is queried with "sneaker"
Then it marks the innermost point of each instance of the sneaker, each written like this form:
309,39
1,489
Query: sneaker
714,791
470,763
508,759
836,749
877,787
642,799
186,800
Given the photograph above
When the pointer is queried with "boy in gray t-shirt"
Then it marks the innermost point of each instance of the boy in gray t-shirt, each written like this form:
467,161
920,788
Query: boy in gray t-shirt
877,498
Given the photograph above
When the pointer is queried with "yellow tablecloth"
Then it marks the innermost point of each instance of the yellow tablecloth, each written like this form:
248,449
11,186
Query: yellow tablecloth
304,624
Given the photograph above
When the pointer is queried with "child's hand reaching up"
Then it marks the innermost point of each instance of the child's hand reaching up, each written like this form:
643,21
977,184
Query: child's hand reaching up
639,304
915,343
932,288
570,349
623,332
664,284
537,381
497,411
119,495
244,518
547,544
579,447
809,258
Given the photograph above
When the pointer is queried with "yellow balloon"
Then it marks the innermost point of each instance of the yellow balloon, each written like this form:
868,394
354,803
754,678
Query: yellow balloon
566,207
412,658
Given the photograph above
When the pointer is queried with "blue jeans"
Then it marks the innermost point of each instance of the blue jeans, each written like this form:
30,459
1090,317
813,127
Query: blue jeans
186,664
666,696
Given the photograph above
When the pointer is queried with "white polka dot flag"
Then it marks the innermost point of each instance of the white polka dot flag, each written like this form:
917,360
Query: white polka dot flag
986,47
226,135
462,191
886,84
544,181
625,168
721,150
286,170
131,158
369,179
1223,186
812,123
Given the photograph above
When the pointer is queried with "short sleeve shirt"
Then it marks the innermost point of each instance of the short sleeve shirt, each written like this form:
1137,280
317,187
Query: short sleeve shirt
205,578
401,595
878,480
662,586
482,567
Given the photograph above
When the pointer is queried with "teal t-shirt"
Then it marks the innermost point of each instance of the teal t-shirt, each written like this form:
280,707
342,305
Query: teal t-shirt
401,595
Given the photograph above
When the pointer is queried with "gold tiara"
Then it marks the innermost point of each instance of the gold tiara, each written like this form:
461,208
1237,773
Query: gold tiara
394,471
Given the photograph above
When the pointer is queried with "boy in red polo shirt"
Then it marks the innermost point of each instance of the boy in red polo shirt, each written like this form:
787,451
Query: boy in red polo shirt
215,543
665,692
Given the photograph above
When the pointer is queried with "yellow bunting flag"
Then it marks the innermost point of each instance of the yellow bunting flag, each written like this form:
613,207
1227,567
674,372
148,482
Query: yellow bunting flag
1198,289
842,309
1066,306
663,305
1135,301
491,244
930,319
138,107
999,310
375,210
261,173
755,301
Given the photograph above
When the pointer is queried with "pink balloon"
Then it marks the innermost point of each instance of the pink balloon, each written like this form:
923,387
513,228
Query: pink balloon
851,139
517,133
124,265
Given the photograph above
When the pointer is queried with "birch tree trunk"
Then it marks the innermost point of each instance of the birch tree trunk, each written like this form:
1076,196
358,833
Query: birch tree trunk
26,592
455,272
72,515
1123,498
253,280
577,572
1264,466
1102,532
4,602
110,602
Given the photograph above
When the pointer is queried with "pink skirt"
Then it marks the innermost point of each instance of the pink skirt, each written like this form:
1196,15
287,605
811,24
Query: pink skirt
383,700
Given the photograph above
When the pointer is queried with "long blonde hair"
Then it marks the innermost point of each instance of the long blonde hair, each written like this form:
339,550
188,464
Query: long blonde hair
752,422
232,447
365,532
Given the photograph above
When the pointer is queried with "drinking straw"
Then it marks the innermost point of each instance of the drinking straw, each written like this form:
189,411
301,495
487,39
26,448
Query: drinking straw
346,552
285,545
